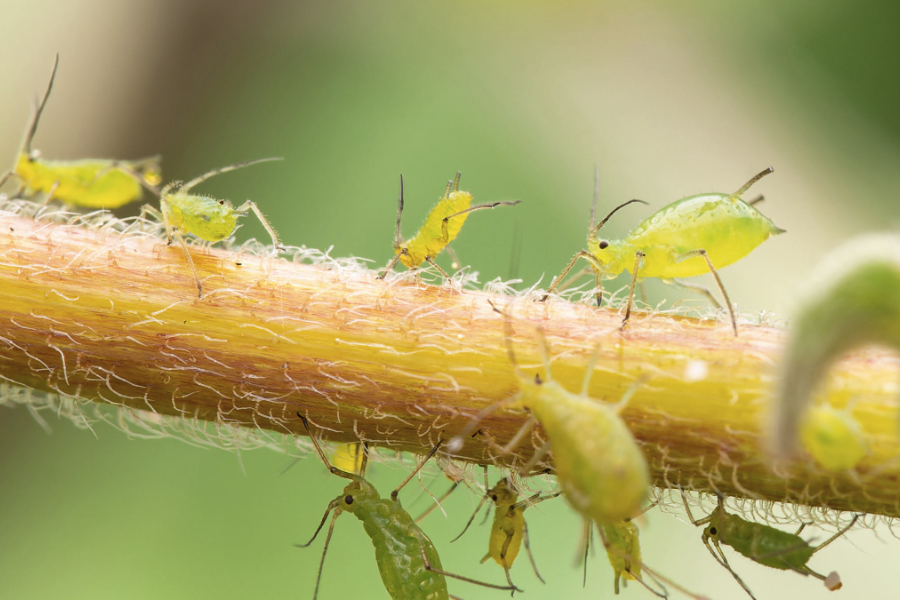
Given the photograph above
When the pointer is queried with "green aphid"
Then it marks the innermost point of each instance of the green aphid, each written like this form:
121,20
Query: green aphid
407,560
91,183
208,218
441,227
684,239
761,544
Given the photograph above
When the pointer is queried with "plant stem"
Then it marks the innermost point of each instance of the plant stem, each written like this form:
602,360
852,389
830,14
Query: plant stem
100,315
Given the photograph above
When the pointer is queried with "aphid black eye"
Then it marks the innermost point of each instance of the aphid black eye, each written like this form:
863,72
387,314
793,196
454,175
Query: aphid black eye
537,379
604,245
712,531
494,497
348,500
221,202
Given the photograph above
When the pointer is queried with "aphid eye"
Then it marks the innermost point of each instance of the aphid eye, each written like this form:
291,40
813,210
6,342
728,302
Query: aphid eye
712,531
221,202
604,244
494,497
348,500
537,379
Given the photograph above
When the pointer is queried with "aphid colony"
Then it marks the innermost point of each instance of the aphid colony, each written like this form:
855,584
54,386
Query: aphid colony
599,466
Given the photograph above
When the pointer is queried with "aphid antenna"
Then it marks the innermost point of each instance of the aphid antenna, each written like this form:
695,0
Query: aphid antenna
753,180
200,179
398,237
594,230
416,470
596,194
32,128
484,496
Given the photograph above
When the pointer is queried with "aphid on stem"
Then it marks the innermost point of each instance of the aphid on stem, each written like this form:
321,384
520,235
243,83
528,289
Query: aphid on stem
208,218
92,183
684,239
407,560
441,227
509,529
761,543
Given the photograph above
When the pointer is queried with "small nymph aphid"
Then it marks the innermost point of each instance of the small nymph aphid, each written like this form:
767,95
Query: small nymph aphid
684,239
208,218
92,183
407,560
833,437
509,529
761,543
441,227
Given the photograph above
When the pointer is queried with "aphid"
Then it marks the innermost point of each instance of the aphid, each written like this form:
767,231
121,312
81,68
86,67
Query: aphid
599,465
92,183
849,301
509,529
441,227
833,437
761,543
206,217
407,560
684,239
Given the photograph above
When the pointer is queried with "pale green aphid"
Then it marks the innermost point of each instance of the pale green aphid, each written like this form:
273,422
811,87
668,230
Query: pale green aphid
441,227
833,437
849,301
208,218
762,544
509,529
684,239
92,183
407,560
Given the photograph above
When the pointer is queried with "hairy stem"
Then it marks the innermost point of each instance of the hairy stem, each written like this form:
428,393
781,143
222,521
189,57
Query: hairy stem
99,312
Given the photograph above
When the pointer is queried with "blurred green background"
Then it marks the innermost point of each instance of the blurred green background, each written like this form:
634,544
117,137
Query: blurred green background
522,97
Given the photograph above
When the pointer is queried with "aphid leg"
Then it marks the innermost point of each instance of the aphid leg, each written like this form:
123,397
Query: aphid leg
637,264
838,534
429,567
527,543
623,402
431,262
6,176
573,279
477,509
445,233
712,269
190,262
503,552
437,503
392,262
756,200
753,180
416,470
598,269
535,459
331,505
49,197
520,435
722,560
697,288
200,179
455,264
333,470
250,204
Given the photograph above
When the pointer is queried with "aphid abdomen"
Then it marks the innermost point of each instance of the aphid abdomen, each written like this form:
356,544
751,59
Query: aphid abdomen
624,537
207,218
598,463
726,228
763,544
509,524
88,183
399,543
428,241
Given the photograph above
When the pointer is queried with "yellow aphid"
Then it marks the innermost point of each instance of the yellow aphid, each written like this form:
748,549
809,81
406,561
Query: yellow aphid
92,183
348,457
833,438
624,536
441,227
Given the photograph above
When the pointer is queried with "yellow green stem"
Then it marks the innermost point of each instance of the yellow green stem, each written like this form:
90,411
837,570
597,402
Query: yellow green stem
100,315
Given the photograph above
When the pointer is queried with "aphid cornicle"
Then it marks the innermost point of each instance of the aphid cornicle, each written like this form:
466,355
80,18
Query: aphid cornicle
761,543
208,218
509,529
92,183
441,227
689,237
407,560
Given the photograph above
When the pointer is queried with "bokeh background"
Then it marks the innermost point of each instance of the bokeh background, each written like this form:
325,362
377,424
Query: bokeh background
522,97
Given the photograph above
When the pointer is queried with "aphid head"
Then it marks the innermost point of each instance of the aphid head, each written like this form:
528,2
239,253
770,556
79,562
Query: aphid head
355,494
501,494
